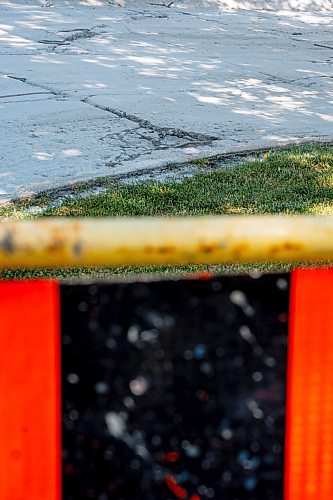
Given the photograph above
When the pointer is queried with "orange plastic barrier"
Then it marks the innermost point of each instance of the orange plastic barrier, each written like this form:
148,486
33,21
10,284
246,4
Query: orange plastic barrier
309,424
30,392
30,441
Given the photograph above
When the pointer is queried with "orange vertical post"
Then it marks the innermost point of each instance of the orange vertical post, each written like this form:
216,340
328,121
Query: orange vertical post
309,419
30,428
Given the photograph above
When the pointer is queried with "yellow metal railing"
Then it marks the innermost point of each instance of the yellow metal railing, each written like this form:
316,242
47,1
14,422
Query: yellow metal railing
143,241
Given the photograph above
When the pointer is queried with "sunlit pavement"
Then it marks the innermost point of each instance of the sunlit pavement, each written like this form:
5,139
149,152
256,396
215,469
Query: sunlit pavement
94,91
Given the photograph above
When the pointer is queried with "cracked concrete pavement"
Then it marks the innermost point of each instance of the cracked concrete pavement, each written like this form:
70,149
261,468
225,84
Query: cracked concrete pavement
88,92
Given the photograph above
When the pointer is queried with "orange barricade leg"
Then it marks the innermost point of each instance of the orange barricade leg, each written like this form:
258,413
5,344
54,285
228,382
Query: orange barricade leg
30,443
309,431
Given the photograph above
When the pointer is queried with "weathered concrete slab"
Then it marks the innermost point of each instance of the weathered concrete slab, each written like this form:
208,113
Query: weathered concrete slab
86,92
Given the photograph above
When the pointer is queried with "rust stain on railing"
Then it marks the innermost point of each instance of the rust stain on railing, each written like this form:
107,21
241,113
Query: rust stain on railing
162,241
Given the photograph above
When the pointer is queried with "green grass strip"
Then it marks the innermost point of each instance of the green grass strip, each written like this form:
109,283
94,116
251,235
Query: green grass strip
294,181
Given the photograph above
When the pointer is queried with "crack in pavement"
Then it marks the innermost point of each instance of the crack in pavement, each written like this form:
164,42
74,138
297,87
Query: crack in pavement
277,78
161,131
21,95
53,42
82,34
324,46
135,142
33,84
